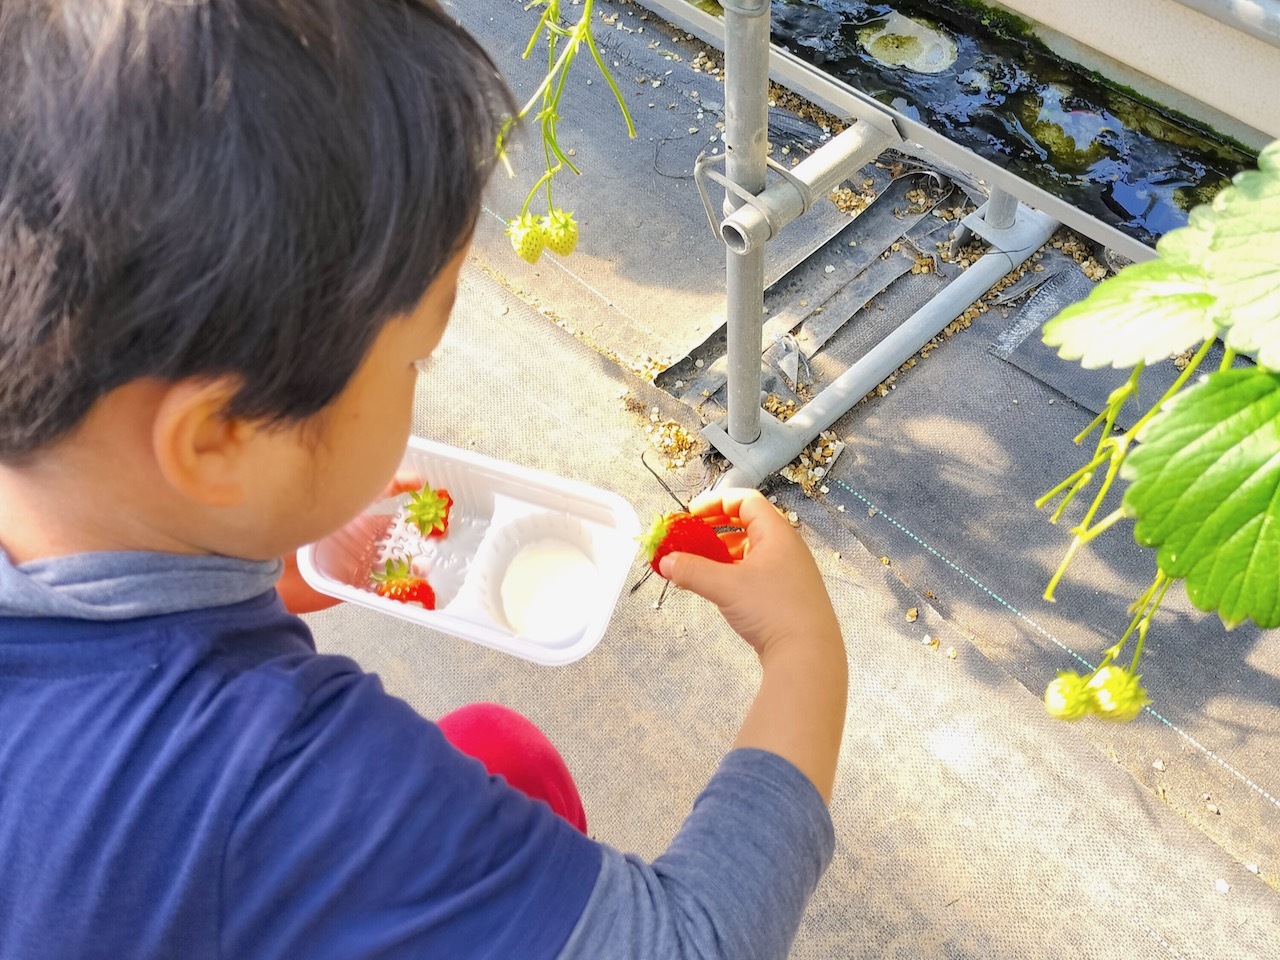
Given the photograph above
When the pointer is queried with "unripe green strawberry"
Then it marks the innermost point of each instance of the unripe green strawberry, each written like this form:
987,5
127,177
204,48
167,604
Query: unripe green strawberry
527,236
1068,697
1117,694
682,533
561,231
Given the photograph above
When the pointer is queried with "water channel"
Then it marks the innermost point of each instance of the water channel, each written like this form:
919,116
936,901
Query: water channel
982,81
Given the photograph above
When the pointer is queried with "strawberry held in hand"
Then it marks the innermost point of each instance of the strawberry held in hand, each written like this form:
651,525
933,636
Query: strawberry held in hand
399,582
428,510
683,533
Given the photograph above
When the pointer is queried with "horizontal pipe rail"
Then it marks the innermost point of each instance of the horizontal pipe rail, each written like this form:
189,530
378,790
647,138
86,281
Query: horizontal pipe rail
845,101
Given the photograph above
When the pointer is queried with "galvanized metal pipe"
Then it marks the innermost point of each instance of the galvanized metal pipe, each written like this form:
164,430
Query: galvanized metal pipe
783,442
746,139
1001,209
754,224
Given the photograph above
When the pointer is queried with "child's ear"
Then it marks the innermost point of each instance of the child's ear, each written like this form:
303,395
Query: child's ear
200,451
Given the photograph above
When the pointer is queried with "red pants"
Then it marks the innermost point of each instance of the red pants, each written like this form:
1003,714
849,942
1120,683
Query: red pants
510,746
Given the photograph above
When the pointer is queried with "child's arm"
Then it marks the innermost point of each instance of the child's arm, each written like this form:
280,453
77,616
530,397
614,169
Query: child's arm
736,879
775,599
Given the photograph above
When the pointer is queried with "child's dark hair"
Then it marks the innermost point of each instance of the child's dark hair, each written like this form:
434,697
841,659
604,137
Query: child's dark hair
224,187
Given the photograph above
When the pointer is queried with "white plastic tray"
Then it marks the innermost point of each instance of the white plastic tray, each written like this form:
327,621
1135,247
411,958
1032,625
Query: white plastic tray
498,509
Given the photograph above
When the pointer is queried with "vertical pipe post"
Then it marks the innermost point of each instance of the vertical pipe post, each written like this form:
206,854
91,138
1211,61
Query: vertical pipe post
1002,209
746,139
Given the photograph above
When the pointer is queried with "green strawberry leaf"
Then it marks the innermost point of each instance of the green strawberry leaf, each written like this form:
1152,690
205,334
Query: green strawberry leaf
1244,250
1147,312
1206,493
1188,245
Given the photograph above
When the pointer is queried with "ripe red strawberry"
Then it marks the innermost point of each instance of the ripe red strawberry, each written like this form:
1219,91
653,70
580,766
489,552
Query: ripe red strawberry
682,533
398,582
561,232
527,237
428,510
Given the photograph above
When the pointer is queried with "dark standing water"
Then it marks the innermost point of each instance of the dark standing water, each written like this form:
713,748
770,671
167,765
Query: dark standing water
1013,102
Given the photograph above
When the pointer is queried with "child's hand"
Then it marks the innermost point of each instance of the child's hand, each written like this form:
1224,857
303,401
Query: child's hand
773,592
296,593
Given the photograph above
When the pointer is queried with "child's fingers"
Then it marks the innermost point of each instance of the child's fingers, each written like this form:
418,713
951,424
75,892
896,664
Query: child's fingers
403,482
708,578
726,507
741,508
736,541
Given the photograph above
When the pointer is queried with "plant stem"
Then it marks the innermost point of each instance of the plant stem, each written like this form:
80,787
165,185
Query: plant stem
1183,377
1093,464
1147,617
1102,526
617,94
1228,358
1118,454
1072,550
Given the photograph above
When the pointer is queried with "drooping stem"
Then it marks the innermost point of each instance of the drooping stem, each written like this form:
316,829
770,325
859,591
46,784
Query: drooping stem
1103,525
617,94
1072,550
1183,377
1119,451
1147,617
553,85
1083,473
1228,358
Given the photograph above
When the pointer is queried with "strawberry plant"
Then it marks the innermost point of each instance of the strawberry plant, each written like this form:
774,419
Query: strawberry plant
556,231
1203,463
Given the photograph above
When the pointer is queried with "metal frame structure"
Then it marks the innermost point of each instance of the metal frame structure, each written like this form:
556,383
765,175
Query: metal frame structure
756,443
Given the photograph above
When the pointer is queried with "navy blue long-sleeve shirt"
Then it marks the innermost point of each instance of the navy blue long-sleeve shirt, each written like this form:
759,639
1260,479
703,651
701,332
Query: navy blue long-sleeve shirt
182,775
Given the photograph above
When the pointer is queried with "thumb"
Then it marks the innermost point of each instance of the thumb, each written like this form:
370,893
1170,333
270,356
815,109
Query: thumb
707,578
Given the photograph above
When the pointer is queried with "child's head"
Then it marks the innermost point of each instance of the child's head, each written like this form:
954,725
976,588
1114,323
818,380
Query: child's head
245,197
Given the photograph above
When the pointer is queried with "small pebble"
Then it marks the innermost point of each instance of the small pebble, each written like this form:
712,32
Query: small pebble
872,511
699,363
840,508
913,614
951,652
1222,886
1251,867
828,269
1213,808
1159,764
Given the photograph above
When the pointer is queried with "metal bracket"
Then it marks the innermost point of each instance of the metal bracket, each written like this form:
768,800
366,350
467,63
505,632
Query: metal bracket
702,172
1012,239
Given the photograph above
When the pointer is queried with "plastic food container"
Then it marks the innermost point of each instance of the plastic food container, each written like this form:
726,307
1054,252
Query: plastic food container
532,565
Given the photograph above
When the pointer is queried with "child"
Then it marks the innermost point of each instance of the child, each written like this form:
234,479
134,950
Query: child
229,230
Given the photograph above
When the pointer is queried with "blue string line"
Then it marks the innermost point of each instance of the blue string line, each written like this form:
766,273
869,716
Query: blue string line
1045,633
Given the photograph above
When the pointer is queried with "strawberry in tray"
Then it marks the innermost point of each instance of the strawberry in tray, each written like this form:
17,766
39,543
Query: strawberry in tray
683,533
428,510
399,582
